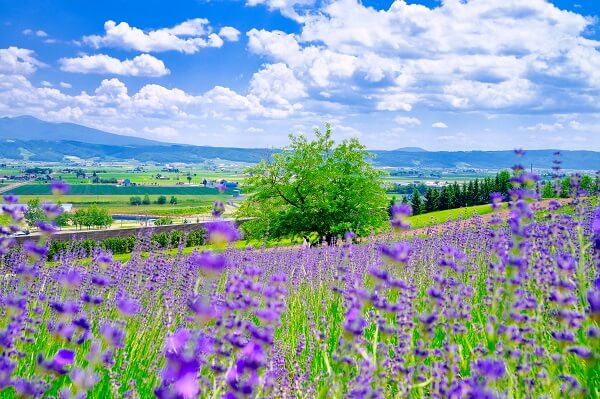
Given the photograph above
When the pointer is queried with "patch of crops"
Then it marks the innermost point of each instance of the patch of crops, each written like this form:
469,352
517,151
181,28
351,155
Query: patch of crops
106,189
506,308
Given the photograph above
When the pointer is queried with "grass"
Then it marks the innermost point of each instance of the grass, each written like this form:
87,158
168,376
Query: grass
440,217
119,204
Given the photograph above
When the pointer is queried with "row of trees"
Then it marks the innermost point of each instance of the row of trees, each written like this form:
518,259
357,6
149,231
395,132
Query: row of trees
477,192
474,192
137,200
92,216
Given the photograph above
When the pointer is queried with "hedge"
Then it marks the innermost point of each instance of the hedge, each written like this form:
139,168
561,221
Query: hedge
125,245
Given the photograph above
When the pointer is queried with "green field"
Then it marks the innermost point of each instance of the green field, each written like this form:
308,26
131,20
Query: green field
109,189
186,204
440,217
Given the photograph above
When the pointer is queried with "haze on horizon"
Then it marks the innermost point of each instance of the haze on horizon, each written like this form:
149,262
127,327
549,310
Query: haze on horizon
449,75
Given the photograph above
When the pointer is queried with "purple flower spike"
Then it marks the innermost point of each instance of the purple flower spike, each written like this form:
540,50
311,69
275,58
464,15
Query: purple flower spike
127,306
46,228
593,297
208,261
35,250
62,359
490,368
11,199
399,214
399,252
59,187
582,352
222,232
51,210
218,209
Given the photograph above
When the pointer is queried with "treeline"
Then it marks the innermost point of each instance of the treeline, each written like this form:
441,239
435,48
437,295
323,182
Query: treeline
455,195
161,200
477,192
567,186
91,216
125,245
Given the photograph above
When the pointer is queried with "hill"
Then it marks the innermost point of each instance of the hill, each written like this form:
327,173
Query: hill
30,138
28,128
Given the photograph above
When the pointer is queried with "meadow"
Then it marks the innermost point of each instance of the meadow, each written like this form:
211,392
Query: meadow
507,307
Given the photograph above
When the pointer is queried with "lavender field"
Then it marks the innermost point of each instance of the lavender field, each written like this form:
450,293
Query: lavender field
505,308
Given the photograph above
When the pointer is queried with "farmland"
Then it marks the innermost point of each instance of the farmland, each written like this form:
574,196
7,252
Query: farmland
113,190
322,320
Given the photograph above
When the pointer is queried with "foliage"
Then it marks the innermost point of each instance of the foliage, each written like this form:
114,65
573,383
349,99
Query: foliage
135,200
125,245
163,221
173,200
92,216
161,200
146,200
315,186
34,213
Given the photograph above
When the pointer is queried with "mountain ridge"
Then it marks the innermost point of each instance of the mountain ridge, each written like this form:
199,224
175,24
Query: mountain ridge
63,140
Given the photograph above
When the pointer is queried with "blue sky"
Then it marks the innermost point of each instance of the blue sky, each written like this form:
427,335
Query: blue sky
449,75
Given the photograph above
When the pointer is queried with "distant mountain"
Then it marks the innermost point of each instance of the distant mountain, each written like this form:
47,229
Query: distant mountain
542,159
410,149
35,140
27,128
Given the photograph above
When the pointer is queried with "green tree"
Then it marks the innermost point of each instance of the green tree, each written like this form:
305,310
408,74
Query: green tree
548,190
565,187
416,203
135,200
189,179
146,200
161,200
173,200
315,187
430,200
34,213
587,184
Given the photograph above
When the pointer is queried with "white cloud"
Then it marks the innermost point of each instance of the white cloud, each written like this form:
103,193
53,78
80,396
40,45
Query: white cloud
229,33
276,84
468,55
38,33
141,65
65,85
439,125
45,83
18,61
288,8
407,121
187,37
162,132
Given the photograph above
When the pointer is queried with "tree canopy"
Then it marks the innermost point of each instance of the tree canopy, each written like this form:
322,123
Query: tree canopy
315,187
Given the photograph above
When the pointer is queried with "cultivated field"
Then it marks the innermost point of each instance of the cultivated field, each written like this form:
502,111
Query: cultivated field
485,310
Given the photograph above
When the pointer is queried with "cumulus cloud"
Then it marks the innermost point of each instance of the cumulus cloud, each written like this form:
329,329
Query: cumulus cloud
439,125
187,37
407,121
229,33
473,55
18,61
141,65
289,8
277,85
